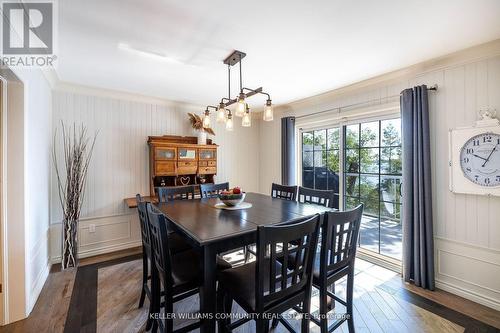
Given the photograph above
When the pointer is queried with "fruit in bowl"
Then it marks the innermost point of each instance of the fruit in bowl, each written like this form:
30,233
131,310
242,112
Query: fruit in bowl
233,197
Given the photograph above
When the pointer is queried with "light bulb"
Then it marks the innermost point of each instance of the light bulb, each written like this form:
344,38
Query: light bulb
221,113
241,106
268,111
247,119
229,122
206,119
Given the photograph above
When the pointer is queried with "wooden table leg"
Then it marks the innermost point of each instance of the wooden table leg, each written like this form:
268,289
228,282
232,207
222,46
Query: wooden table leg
208,290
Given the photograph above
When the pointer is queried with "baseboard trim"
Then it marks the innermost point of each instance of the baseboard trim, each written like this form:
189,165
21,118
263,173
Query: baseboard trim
38,286
101,250
468,294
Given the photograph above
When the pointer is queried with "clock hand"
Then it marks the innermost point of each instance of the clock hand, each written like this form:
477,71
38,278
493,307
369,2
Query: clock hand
479,157
489,155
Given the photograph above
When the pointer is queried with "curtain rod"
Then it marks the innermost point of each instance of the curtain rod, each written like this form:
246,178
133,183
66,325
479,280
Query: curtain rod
339,108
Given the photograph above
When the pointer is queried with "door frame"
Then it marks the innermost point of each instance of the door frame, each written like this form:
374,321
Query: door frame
341,119
3,104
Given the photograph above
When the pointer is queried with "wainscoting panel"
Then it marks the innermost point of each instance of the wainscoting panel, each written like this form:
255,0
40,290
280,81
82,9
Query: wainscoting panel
470,271
100,235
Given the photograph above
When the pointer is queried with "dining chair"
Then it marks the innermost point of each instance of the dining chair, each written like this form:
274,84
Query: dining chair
176,244
173,276
317,197
146,255
284,192
265,287
166,194
212,190
340,232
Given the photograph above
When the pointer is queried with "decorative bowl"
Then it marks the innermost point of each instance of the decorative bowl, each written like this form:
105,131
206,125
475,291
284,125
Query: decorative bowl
232,200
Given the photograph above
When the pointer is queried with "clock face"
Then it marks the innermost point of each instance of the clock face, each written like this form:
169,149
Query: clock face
480,159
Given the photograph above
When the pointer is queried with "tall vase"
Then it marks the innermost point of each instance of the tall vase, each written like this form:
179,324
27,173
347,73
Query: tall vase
69,244
202,137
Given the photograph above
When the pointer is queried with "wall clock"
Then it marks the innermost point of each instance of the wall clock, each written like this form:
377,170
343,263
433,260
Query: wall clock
475,157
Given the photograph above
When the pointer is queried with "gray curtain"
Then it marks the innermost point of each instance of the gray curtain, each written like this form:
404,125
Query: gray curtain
288,151
418,243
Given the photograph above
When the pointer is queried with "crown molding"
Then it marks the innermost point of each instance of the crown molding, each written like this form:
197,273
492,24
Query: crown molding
74,88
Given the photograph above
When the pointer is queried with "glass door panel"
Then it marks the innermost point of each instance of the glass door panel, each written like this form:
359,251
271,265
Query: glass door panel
372,176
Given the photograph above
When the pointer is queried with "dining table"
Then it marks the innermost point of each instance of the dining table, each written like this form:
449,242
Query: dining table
212,230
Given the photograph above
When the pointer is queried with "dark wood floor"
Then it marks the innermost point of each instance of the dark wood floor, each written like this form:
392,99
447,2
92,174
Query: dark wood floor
382,303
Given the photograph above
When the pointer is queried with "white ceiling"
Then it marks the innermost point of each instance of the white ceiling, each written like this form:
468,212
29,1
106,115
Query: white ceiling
294,49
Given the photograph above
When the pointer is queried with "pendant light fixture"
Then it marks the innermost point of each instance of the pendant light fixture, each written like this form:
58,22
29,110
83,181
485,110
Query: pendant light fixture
242,109
247,118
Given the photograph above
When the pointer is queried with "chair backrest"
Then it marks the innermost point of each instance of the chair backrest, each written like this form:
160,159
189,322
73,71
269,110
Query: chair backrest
284,192
159,246
278,282
339,236
166,194
212,190
317,197
144,222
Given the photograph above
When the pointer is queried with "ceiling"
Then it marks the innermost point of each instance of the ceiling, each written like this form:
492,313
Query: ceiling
294,50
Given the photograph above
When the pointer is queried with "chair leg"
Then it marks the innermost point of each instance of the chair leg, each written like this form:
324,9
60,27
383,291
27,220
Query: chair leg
332,290
168,320
323,308
306,312
349,300
221,322
262,325
154,308
246,253
144,278
275,323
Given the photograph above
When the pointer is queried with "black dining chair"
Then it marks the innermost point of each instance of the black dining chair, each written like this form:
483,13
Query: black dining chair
265,286
213,190
166,194
146,255
176,244
317,197
284,192
173,276
340,232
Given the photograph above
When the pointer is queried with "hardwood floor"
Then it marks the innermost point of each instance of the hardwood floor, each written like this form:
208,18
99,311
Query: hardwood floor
383,303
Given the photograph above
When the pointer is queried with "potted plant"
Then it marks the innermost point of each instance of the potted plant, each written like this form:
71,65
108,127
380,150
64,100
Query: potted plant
197,125
71,181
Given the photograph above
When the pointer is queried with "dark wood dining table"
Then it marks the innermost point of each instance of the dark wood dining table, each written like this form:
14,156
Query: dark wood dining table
212,231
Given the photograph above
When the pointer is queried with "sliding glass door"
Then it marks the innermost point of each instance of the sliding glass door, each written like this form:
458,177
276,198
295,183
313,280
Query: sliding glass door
321,160
370,172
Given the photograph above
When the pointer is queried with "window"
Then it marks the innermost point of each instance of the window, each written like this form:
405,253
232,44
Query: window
321,160
371,174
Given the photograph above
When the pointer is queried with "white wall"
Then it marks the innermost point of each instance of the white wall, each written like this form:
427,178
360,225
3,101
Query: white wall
466,227
27,183
37,133
120,165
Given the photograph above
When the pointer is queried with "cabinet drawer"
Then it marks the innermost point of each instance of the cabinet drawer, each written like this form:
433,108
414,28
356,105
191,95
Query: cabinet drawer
212,163
182,164
207,170
165,168
186,168
203,163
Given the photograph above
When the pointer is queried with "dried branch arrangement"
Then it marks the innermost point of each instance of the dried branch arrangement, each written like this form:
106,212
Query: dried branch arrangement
78,148
197,124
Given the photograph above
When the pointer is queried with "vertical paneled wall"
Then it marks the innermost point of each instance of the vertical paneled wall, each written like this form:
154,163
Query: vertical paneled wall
120,165
466,227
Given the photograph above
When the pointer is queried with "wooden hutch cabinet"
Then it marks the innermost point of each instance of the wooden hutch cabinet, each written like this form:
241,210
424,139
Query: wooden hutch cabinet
180,161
